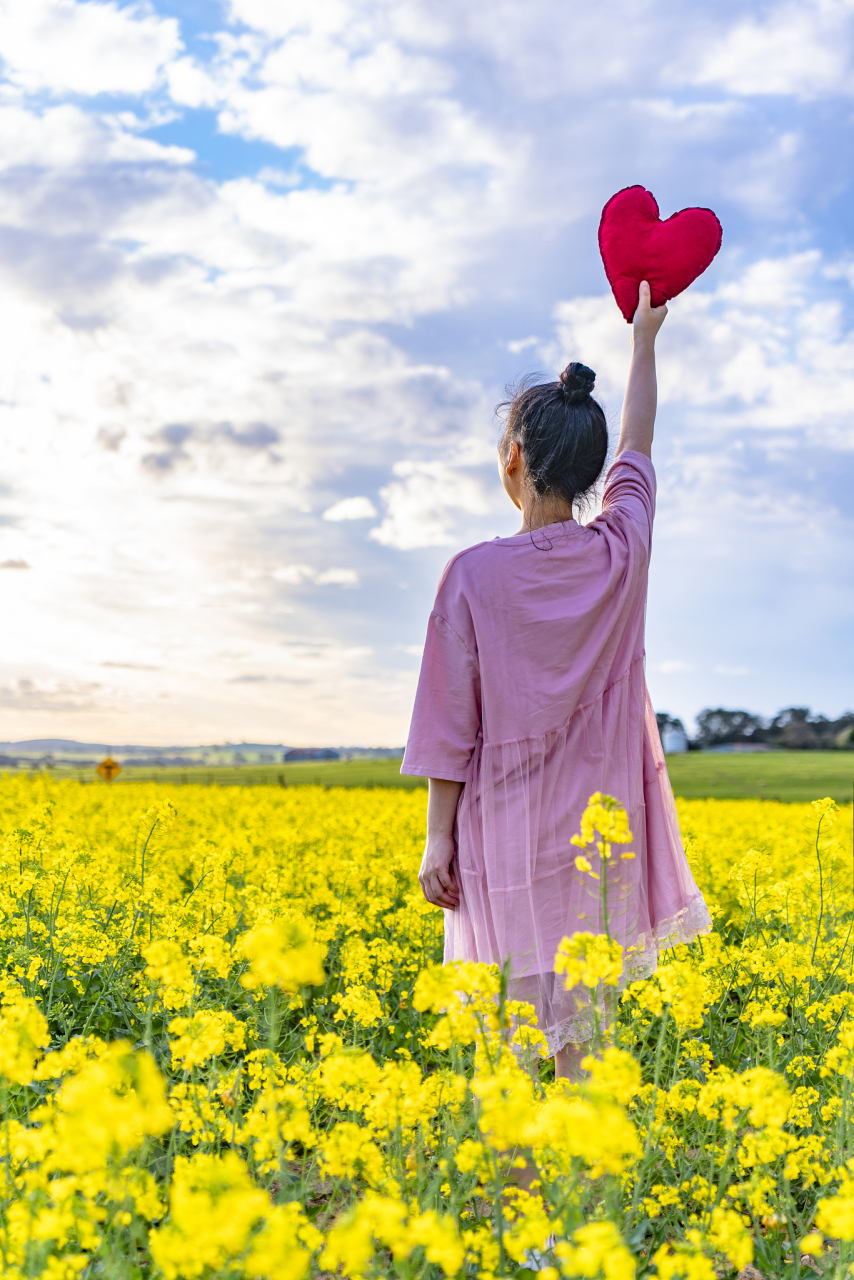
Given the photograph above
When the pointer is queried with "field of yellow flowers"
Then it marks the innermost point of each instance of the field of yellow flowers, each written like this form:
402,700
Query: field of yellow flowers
226,1049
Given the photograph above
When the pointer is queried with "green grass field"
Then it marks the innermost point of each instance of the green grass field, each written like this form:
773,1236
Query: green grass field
773,775
327,773
778,775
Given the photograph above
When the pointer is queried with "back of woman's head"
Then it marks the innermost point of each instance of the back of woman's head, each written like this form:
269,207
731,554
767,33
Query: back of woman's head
562,434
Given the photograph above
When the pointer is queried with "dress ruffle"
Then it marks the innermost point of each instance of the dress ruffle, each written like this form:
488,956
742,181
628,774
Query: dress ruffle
692,921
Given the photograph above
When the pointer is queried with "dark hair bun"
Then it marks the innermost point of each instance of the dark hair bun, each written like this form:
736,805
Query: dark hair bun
578,382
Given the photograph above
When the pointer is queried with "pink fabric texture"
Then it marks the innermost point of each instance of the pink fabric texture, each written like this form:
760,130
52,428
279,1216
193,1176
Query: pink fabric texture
532,693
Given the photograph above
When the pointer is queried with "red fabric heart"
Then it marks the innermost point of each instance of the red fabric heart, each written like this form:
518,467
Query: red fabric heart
636,245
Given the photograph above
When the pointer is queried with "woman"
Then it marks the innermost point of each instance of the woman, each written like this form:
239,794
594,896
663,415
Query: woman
532,696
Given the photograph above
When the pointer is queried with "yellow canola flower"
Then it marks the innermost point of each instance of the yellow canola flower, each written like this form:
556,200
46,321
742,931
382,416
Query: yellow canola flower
212,953
471,1156
439,1239
592,1129
527,1037
348,1078
841,1056
589,958
677,984
763,1094
282,1248
606,817
282,953
596,1249
763,1015
166,963
729,1235
277,1119
161,814
584,864
361,1004
71,1058
87,1171
108,1108
526,1224
508,1111
826,808
214,1210
205,1035
350,1243
23,1037
404,1097
467,993
347,1151
685,1262
441,986
835,1214
615,1073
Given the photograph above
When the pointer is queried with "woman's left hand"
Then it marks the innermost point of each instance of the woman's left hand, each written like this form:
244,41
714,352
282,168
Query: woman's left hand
436,877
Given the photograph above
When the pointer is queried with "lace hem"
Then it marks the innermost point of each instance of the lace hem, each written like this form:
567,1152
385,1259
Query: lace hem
641,962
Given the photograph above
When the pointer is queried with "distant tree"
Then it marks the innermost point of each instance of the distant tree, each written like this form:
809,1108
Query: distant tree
717,727
799,730
666,721
793,728
839,733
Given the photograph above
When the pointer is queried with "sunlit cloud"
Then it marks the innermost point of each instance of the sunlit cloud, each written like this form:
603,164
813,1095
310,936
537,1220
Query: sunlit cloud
85,48
263,286
802,49
355,508
424,503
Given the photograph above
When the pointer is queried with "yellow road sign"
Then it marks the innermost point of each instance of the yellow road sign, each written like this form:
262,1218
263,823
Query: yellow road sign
108,769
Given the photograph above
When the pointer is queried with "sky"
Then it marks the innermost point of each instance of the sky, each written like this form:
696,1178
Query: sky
265,271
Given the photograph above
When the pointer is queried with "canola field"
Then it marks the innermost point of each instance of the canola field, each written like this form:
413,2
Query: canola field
227,1050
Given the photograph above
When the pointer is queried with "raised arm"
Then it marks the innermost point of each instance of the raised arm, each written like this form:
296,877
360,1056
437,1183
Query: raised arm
638,420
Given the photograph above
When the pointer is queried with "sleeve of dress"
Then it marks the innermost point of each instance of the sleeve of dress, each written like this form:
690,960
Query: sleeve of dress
446,716
630,491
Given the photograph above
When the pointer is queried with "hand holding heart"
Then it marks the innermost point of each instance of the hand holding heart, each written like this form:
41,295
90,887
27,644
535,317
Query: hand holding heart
636,245
647,319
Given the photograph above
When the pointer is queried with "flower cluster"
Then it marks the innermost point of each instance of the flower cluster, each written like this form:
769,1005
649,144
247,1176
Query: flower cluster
228,1049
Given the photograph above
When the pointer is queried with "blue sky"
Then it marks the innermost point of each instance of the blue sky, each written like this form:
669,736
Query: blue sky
266,270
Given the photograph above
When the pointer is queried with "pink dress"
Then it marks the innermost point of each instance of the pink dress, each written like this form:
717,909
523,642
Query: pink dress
533,694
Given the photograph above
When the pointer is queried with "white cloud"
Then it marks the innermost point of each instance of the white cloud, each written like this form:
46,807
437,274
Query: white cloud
338,577
295,575
191,365
48,696
191,85
425,504
85,48
673,666
65,137
356,508
764,350
802,49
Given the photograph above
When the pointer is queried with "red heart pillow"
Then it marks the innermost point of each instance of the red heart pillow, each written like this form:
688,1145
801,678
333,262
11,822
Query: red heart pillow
636,245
